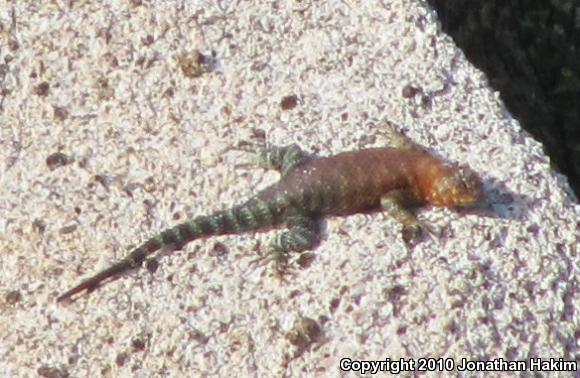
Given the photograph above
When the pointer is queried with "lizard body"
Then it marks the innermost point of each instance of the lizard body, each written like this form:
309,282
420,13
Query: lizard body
391,178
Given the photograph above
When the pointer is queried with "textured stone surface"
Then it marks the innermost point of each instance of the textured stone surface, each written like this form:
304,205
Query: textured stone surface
109,133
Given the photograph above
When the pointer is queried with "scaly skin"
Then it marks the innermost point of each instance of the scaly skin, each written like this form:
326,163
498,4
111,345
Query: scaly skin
391,178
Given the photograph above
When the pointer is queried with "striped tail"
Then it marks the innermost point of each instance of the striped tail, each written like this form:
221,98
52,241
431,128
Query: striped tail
253,215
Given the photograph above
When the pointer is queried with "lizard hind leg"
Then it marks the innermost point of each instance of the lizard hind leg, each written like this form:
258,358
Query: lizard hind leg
303,233
283,159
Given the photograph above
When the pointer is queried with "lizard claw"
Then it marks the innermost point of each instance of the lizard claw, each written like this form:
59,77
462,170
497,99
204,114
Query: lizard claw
247,146
273,256
278,258
413,233
254,148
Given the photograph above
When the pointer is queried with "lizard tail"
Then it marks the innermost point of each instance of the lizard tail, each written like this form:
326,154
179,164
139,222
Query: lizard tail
252,215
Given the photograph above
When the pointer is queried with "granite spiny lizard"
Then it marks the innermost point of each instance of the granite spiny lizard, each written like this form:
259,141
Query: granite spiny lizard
393,178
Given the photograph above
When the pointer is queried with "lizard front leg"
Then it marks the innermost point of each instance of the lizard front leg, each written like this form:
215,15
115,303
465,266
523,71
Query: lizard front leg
396,203
391,137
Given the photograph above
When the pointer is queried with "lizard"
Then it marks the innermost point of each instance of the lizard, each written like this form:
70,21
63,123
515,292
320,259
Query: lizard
395,178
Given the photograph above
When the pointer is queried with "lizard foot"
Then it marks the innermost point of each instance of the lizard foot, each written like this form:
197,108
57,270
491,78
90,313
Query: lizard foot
278,258
415,233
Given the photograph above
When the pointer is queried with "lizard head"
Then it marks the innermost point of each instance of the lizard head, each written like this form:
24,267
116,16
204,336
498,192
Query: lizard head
456,186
